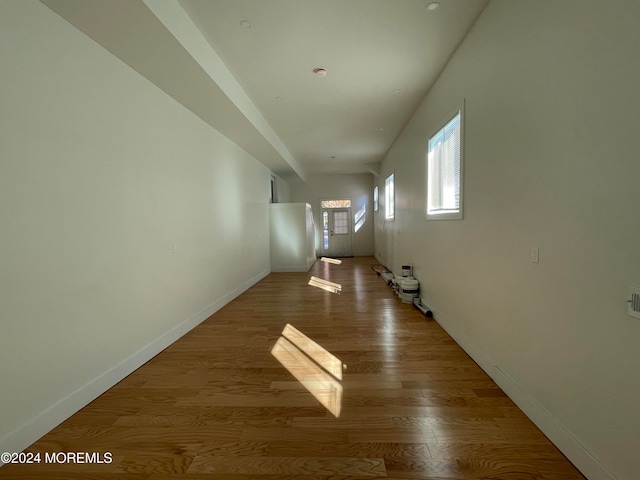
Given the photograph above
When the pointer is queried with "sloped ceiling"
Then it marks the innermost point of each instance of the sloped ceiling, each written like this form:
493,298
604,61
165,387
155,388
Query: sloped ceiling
246,68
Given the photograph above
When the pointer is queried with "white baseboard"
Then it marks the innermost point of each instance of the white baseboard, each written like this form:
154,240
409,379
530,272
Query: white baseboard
45,421
559,435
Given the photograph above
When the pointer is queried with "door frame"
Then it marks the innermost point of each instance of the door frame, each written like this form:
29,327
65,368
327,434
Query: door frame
328,252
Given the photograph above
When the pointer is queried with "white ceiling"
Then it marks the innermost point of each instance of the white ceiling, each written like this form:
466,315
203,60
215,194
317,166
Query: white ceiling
256,85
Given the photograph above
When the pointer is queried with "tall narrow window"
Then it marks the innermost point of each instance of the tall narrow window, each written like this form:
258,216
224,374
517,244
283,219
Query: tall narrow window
375,198
274,189
389,198
325,230
444,171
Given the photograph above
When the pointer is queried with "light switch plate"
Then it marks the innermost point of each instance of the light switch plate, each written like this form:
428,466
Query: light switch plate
633,303
535,255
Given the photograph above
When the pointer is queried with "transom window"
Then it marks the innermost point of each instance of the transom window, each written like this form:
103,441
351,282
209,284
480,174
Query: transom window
335,204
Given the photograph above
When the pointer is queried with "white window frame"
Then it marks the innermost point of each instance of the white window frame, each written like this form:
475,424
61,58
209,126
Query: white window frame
390,198
450,214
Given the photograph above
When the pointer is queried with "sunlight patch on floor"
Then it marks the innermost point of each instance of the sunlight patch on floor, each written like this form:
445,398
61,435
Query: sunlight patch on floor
331,260
318,370
325,285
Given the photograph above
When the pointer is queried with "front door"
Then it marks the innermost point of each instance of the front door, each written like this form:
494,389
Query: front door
337,236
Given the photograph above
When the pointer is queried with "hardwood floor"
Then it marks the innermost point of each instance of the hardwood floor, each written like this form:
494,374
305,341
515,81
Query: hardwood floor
290,381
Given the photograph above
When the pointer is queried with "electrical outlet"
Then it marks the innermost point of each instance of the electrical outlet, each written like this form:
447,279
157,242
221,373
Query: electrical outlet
535,255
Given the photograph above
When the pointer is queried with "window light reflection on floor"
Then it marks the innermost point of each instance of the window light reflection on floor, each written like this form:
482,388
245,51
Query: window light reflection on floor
325,285
322,385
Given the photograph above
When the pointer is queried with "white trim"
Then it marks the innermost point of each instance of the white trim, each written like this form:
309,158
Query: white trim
45,421
560,436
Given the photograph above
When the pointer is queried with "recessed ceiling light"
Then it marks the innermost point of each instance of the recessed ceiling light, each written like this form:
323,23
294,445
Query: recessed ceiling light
381,129
397,91
433,6
246,24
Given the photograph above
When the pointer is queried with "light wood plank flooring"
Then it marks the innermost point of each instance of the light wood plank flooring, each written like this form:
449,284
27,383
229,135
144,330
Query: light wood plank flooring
290,381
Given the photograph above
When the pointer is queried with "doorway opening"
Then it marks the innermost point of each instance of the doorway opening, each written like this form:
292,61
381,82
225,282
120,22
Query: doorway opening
337,230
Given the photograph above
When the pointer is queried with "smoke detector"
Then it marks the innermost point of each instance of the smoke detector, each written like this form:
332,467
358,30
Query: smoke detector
320,71
432,7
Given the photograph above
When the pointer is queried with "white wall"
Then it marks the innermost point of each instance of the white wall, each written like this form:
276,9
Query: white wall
101,173
551,149
283,190
292,237
357,187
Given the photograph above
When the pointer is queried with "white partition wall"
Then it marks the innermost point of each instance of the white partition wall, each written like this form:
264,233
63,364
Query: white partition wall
292,237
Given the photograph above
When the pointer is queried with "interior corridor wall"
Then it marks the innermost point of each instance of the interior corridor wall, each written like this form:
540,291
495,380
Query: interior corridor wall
283,190
357,187
551,161
125,220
